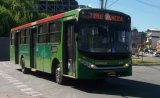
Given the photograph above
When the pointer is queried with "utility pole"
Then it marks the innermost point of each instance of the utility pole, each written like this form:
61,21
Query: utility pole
102,4
106,4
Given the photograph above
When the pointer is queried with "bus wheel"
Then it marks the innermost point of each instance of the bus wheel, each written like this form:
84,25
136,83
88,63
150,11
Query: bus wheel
58,75
22,63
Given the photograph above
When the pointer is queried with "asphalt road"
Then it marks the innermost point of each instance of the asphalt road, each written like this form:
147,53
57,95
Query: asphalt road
145,83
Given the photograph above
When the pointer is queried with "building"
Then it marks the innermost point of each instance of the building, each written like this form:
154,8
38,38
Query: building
136,40
158,46
56,6
153,35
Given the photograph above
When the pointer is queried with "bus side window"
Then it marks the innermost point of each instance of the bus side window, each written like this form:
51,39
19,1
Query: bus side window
42,33
55,32
22,36
27,36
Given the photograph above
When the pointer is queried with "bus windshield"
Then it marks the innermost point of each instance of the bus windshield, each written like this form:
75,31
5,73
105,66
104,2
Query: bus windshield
103,38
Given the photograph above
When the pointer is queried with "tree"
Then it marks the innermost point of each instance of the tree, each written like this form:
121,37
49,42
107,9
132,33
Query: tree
6,21
17,12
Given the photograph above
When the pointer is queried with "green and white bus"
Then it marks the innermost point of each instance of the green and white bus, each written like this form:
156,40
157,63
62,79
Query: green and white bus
80,44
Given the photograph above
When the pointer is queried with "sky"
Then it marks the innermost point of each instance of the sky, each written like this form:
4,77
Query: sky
145,14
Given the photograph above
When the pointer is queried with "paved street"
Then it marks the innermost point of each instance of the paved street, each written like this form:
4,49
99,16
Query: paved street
145,83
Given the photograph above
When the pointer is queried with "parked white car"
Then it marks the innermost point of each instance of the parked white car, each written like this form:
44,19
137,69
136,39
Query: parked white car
157,54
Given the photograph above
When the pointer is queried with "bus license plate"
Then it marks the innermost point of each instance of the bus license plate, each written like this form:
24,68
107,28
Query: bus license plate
112,73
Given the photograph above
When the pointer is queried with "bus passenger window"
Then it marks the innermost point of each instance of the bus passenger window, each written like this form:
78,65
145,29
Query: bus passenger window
42,34
27,36
21,37
55,32
24,36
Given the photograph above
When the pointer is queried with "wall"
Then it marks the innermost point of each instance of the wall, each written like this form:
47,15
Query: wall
4,48
152,37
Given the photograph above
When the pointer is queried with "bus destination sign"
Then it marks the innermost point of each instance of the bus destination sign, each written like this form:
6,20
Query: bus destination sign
101,16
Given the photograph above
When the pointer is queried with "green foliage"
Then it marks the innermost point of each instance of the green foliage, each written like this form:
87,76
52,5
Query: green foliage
17,12
6,21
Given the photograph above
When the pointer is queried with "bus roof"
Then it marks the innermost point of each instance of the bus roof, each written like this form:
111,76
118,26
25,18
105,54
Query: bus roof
38,22
50,18
58,16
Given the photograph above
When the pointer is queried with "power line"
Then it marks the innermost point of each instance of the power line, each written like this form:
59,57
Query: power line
148,4
113,3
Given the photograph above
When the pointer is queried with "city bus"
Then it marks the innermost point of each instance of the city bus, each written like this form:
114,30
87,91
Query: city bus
79,44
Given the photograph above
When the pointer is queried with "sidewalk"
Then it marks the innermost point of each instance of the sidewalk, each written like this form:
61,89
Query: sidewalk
15,96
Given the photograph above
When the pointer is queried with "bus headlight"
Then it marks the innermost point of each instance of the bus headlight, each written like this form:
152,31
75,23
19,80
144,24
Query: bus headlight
93,66
127,64
86,63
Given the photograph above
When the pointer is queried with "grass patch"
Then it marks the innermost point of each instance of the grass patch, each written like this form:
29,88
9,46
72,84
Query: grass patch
144,62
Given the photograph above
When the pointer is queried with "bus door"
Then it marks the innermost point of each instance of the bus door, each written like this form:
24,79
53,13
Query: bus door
16,43
33,37
69,48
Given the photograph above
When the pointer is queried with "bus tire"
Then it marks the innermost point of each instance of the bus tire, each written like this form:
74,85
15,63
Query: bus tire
59,75
22,63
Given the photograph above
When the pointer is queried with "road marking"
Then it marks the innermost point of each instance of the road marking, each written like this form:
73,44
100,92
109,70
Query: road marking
33,93
21,86
9,79
26,89
18,84
14,80
37,95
